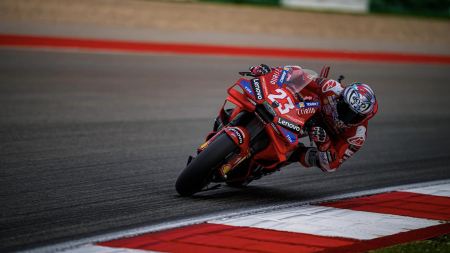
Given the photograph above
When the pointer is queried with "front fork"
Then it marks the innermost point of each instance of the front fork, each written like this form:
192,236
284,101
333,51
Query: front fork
241,137
243,129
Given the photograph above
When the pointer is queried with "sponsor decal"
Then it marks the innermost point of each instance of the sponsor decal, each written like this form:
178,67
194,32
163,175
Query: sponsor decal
323,159
324,162
347,154
359,138
282,77
329,156
289,125
275,128
304,111
333,86
275,76
256,85
238,134
312,104
289,136
246,85
308,104
328,86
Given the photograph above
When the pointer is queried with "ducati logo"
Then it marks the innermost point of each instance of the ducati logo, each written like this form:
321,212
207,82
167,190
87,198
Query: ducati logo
359,138
328,86
333,86
357,141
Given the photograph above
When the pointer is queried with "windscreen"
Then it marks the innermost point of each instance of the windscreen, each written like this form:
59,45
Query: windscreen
297,78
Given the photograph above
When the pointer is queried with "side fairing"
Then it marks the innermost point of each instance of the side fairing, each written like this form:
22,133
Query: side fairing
292,111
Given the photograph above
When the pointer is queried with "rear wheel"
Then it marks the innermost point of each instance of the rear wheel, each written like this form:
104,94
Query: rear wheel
199,172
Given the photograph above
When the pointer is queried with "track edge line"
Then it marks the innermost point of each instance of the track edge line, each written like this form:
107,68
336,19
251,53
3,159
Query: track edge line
218,215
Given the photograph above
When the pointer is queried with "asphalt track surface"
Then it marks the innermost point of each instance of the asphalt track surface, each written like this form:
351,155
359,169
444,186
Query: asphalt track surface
93,143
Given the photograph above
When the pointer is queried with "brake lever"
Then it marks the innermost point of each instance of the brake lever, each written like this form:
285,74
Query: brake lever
246,73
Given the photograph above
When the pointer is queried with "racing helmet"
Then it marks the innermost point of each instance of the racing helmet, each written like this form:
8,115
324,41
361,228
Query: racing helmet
356,104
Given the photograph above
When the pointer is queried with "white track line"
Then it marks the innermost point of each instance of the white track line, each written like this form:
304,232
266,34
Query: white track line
100,249
436,190
330,221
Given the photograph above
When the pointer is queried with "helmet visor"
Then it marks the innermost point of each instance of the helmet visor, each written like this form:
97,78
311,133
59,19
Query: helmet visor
347,115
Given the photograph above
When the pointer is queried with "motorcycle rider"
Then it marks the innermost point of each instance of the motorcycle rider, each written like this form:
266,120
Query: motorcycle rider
339,128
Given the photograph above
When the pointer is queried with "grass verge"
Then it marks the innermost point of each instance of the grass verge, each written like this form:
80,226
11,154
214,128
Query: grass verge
439,245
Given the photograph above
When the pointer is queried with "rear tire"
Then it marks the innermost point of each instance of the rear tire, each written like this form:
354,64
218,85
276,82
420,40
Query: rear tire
198,173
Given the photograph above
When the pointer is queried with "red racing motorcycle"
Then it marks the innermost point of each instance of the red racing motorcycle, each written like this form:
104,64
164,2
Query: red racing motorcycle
262,122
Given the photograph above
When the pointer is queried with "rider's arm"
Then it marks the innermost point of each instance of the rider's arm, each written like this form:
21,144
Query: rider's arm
338,150
263,69
260,70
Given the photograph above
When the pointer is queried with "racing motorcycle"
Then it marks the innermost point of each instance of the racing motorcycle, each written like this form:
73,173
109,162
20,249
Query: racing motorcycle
262,122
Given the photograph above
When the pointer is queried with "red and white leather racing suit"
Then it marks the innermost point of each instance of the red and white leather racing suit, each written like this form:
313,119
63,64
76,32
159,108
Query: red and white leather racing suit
343,141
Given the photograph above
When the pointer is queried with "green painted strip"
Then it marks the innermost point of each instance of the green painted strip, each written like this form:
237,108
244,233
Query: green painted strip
430,8
433,8
257,2
439,244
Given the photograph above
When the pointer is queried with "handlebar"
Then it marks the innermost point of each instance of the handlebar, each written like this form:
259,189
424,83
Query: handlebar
246,73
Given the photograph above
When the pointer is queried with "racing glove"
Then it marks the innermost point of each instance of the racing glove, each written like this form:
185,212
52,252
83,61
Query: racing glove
260,70
319,135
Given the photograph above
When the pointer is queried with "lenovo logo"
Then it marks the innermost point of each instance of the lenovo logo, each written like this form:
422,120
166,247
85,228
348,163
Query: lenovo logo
289,125
257,88
238,134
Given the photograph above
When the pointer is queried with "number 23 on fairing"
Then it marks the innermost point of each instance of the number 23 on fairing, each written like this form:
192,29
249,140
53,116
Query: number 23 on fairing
283,108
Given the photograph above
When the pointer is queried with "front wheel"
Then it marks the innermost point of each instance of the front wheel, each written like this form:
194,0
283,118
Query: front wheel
199,172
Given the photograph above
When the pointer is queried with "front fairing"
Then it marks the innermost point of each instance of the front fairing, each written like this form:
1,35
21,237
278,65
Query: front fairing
279,90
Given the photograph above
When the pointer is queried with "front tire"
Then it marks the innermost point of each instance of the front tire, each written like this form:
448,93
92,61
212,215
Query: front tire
198,173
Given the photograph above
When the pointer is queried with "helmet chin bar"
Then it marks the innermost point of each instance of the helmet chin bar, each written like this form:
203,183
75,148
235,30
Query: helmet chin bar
347,114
